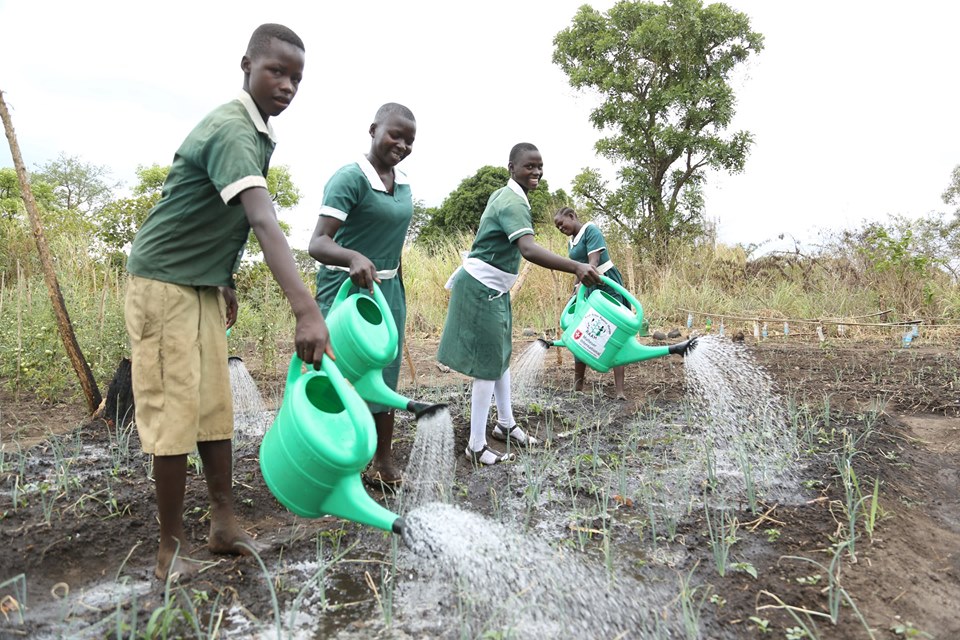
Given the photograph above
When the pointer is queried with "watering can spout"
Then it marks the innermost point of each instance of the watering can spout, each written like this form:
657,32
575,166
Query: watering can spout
424,410
349,500
365,341
683,348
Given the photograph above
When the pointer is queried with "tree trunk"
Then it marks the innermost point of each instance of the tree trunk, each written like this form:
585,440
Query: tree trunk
67,334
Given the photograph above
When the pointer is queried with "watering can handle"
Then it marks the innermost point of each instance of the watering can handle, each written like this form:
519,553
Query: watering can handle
329,367
637,307
378,298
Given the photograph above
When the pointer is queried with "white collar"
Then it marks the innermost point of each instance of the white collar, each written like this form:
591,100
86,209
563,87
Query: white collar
376,182
517,189
576,239
263,127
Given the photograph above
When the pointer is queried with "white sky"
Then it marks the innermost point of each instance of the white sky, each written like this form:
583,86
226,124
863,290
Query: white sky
853,103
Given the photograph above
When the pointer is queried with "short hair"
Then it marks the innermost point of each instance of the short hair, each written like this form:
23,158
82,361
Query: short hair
390,109
262,35
521,147
565,211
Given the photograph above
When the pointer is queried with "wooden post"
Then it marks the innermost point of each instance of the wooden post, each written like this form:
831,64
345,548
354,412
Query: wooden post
631,277
515,289
67,334
413,370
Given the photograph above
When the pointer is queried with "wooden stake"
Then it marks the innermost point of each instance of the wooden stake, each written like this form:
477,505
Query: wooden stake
413,370
515,289
67,334
631,277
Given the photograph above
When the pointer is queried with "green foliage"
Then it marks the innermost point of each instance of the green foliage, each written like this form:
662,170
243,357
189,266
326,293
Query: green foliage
283,191
662,73
461,210
77,185
952,194
151,180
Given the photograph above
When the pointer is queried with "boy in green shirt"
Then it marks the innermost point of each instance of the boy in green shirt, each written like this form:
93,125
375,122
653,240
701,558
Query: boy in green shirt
180,295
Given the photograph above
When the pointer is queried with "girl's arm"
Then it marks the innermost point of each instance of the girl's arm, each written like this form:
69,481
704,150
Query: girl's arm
530,250
322,248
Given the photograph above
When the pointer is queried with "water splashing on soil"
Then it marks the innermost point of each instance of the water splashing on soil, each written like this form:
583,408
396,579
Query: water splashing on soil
509,582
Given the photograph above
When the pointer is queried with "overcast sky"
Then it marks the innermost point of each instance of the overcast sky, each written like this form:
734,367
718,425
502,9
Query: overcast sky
853,104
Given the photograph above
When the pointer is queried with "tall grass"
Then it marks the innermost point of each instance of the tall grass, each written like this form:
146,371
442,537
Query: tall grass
712,280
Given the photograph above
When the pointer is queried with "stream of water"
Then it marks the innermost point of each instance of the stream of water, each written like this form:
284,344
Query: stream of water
250,416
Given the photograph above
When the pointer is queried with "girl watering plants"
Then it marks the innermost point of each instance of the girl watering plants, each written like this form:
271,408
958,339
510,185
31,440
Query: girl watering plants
588,246
367,207
477,335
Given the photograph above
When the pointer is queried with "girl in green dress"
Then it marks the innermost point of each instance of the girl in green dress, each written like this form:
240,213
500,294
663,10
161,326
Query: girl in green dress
367,207
477,335
587,245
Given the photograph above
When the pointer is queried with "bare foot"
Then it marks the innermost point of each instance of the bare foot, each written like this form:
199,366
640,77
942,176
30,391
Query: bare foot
384,472
178,568
234,541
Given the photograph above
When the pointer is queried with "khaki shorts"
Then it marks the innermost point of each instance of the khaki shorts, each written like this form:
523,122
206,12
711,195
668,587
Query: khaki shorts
181,380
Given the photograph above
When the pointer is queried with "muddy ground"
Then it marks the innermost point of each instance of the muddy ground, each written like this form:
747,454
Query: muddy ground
78,528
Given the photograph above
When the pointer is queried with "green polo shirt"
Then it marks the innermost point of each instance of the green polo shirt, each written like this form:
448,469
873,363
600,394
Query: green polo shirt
196,233
506,218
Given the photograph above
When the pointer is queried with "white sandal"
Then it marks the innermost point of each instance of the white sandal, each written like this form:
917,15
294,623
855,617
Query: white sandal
516,437
486,456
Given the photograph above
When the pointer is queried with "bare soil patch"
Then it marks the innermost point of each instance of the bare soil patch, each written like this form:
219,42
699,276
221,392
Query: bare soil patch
77,508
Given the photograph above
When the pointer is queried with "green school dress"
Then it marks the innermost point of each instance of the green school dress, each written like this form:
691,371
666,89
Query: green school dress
373,223
590,240
477,335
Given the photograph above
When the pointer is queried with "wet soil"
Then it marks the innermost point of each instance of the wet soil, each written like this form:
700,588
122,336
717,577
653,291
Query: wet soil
78,525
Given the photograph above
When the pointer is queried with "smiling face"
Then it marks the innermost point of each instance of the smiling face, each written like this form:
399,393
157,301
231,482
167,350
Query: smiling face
392,140
273,76
527,169
567,224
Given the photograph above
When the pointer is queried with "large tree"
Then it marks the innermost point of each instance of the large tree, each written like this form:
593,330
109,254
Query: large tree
662,73
461,210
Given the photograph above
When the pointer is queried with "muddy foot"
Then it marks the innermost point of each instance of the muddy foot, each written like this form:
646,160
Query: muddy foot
235,541
384,477
182,569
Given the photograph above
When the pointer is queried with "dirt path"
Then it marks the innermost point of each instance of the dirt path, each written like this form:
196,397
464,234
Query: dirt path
78,525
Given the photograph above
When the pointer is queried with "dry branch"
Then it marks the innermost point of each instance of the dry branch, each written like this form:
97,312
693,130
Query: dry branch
67,334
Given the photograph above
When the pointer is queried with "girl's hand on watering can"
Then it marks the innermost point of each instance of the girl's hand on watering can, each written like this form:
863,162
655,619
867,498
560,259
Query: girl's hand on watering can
587,274
311,337
363,272
230,298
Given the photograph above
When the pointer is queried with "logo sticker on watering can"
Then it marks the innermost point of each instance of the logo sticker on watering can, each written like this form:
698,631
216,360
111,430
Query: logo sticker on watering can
593,333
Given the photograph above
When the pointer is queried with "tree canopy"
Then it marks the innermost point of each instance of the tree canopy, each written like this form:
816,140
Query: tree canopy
662,73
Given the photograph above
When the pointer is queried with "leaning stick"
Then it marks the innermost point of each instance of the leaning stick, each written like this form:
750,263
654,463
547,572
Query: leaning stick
67,335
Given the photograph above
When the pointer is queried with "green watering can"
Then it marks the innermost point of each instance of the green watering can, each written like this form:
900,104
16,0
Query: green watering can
322,438
601,332
363,336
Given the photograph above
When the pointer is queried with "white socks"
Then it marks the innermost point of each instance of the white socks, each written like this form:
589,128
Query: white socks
483,392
